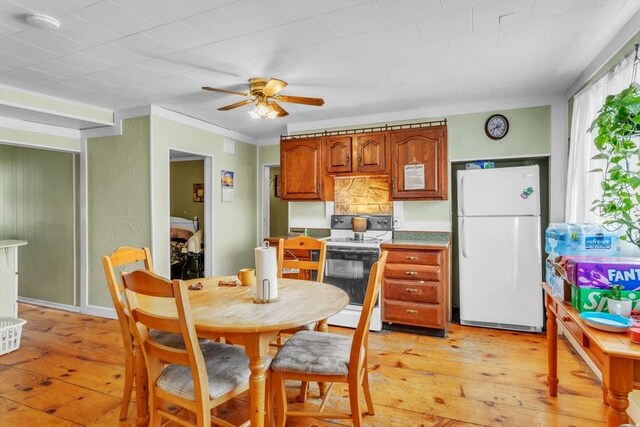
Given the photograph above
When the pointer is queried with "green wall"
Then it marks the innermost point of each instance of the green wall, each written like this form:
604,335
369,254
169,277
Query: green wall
37,191
38,139
183,175
234,223
529,136
118,187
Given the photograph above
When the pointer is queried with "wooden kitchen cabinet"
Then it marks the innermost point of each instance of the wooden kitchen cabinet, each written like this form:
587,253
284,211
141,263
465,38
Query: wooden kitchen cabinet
365,153
426,148
301,173
416,285
337,154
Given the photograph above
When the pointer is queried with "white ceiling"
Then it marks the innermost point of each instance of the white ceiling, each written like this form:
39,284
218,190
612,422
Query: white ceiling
362,57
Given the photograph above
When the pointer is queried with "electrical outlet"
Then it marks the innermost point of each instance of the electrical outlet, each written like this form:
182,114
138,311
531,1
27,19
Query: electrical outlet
396,223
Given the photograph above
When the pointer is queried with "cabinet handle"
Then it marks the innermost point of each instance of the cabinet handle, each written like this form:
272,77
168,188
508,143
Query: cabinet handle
566,318
395,187
411,290
411,273
411,258
360,161
347,162
409,311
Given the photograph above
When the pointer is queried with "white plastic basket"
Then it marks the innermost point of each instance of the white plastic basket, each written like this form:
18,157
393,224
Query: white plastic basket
10,332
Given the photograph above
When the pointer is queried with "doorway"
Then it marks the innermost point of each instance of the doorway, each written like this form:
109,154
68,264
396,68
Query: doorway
275,218
543,165
188,215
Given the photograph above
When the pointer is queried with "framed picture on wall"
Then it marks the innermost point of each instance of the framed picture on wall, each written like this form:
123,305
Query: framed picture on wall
226,179
276,185
198,192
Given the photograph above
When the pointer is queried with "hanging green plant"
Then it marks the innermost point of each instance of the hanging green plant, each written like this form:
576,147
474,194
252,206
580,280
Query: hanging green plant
618,125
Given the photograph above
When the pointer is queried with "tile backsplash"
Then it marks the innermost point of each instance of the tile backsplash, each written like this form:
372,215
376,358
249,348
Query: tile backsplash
362,195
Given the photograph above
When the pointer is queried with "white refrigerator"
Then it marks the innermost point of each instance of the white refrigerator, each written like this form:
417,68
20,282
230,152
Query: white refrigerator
499,248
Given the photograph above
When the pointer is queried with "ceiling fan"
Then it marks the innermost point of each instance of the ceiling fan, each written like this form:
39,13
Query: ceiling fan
264,92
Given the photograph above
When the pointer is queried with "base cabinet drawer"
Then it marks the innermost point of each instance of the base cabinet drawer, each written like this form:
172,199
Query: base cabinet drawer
414,257
430,315
413,271
412,290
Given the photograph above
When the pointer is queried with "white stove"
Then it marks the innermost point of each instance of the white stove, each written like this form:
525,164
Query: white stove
349,259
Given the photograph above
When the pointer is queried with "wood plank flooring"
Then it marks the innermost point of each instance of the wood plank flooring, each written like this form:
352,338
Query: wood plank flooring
69,371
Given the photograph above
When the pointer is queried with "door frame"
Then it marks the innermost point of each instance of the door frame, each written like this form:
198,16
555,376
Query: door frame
265,227
208,204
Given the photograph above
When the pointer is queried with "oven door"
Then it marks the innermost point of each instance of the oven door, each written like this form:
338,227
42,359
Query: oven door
348,268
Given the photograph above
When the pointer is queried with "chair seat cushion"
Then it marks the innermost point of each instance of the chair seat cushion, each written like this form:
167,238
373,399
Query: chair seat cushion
227,368
170,339
311,352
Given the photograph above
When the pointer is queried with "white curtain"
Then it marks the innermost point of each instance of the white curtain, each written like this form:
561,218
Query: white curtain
584,187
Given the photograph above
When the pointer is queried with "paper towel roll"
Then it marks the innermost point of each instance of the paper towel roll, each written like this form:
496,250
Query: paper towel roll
266,274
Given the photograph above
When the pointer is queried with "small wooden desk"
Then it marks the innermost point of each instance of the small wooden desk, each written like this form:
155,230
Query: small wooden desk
229,312
613,353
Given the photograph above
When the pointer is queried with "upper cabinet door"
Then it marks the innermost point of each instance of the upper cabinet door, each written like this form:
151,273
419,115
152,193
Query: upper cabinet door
371,152
419,164
337,154
300,169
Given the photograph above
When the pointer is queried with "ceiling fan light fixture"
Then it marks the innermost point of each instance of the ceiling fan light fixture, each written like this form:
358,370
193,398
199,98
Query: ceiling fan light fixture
43,21
253,114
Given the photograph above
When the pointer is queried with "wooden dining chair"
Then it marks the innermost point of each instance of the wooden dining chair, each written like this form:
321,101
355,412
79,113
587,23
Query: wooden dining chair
301,243
124,256
131,258
297,244
329,358
196,377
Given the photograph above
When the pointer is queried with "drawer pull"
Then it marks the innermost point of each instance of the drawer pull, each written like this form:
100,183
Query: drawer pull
411,258
411,290
411,273
566,319
409,311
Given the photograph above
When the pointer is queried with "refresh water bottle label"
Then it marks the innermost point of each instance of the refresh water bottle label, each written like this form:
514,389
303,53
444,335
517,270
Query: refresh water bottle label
597,242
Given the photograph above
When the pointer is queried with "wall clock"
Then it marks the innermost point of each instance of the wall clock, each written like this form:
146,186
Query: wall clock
496,126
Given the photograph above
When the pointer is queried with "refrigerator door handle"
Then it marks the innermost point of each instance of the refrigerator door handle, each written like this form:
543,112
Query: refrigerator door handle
461,191
463,239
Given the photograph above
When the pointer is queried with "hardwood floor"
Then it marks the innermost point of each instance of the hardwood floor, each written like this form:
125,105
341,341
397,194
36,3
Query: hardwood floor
69,372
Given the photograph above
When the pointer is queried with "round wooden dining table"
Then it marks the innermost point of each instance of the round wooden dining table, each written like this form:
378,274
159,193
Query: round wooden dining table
230,312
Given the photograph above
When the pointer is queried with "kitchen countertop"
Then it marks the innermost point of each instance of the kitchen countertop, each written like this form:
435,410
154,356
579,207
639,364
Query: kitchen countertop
435,239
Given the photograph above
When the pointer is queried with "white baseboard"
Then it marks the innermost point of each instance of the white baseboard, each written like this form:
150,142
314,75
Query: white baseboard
49,304
94,310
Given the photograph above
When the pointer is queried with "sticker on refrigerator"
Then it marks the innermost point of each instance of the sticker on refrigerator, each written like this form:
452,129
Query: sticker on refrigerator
414,176
526,192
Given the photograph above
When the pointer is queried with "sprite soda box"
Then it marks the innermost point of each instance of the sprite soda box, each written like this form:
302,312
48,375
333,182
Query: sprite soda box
592,299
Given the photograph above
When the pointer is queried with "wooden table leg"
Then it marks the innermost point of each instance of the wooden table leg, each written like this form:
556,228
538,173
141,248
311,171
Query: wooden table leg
605,392
256,348
142,391
618,377
323,326
552,350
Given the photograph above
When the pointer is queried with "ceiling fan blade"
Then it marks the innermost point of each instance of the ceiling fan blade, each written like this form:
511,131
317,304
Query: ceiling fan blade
300,100
236,105
274,86
233,92
278,109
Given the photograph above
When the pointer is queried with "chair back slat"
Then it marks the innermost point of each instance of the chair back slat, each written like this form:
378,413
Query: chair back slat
166,354
304,243
361,335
